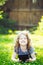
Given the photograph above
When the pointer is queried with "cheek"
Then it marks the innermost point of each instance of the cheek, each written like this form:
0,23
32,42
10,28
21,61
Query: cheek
20,41
26,41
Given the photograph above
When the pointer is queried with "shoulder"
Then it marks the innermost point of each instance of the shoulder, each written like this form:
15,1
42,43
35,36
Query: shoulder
32,50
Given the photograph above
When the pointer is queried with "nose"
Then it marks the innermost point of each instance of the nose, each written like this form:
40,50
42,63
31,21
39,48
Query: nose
23,39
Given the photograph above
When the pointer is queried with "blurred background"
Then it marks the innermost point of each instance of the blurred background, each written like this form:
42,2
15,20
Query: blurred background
16,16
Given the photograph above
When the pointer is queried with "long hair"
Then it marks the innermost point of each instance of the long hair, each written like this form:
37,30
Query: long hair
27,34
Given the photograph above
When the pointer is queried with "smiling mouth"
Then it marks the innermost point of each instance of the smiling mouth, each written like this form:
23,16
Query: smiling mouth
23,42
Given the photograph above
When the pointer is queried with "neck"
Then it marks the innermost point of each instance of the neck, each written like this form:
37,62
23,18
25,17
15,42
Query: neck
23,48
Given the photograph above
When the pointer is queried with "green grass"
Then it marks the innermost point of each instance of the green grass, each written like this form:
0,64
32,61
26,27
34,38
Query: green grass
6,49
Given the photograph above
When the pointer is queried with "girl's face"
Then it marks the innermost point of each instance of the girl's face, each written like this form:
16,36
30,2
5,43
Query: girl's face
22,39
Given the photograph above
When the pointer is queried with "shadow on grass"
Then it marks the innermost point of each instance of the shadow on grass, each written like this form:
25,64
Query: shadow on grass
12,30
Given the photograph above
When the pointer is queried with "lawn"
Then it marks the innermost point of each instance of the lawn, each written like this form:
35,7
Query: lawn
6,49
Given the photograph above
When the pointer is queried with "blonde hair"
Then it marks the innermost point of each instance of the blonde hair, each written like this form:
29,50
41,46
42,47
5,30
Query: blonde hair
27,34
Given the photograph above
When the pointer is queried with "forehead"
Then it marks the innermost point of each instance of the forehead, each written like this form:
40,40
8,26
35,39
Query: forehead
22,36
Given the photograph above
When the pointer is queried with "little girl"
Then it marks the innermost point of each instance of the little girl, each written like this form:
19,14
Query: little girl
23,48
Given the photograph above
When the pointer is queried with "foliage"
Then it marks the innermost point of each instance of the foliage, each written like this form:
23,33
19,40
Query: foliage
2,2
40,27
6,24
1,17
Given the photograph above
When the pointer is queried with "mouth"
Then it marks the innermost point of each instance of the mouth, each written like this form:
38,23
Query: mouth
22,41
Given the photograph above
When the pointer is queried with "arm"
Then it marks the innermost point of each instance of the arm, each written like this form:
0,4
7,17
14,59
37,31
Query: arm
31,59
14,57
32,53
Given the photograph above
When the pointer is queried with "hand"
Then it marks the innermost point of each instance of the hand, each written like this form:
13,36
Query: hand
20,60
30,60
27,60
16,60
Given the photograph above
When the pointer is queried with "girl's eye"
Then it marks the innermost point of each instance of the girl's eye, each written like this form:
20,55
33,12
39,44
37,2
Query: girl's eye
23,38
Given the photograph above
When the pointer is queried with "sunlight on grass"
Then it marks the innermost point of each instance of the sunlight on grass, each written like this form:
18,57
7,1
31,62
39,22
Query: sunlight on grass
10,31
37,40
7,38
